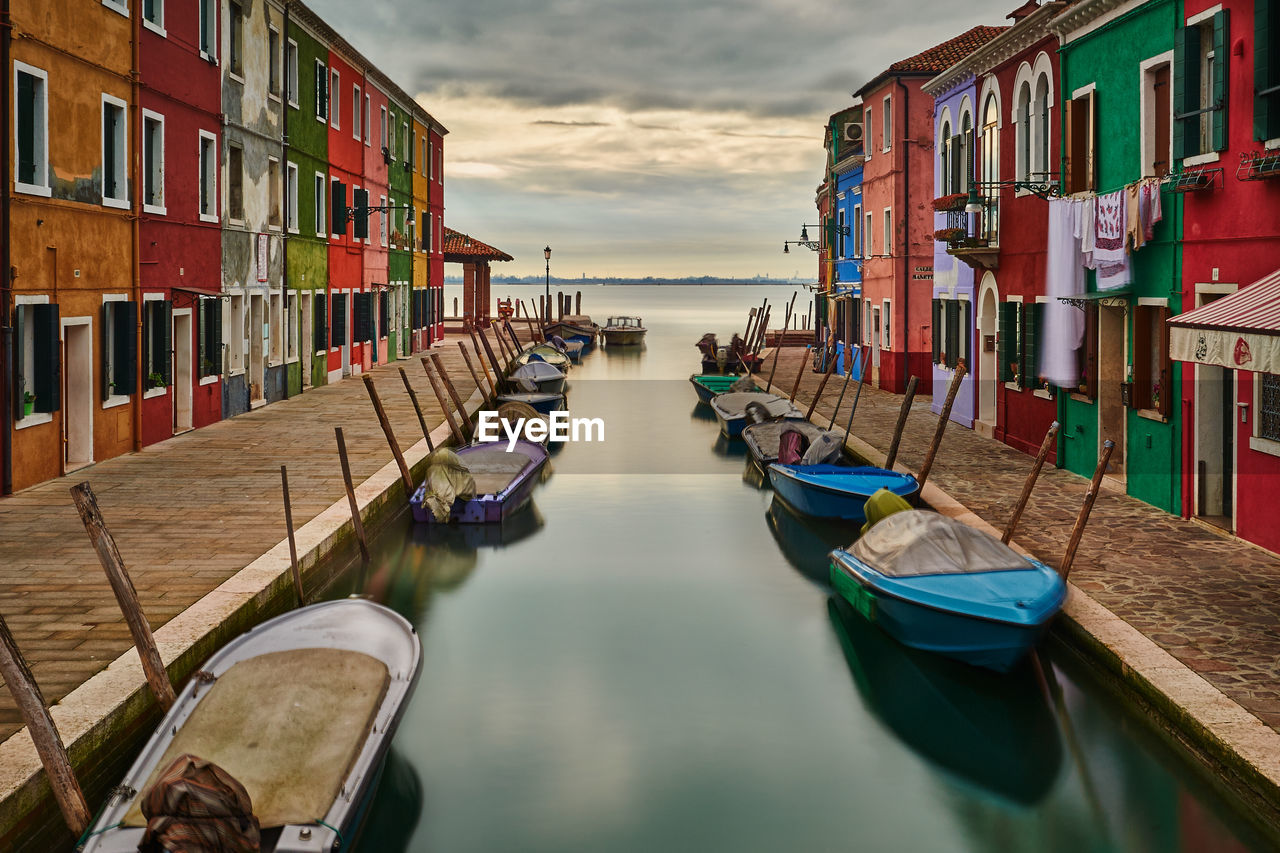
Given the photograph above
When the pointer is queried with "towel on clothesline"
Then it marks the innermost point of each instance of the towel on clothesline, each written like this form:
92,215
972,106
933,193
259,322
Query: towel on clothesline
1110,257
1064,276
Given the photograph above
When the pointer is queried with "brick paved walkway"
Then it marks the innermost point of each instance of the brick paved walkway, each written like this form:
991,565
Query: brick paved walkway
1211,601
187,514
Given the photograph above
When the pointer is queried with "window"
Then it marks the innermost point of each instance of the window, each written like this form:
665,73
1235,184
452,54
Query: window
382,223
871,329
273,191
338,203
235,183
157,344
404,142
867,135
368,117
428,231
152,162
1266,71
962,152
208,29
1022,134
319,203
115,152
235,325
1087,355
291,321
355,111
291,197
335,105
1009,340
1157,117
320,329
31,108
422,165
1200,87
1268,419
322,92
944,160
118,5
989,228
391,136
886,123
840,229
430,150
382,130
868,240
1081,130
153,15
1040,109
38,357
208,177
275,307
235,37
291,72
888,233
857,230
1032,335
1152,367
273,61
209,340
119,349
886,340
410,222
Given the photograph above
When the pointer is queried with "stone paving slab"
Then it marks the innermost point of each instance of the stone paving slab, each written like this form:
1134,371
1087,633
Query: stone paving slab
187,514
1210,600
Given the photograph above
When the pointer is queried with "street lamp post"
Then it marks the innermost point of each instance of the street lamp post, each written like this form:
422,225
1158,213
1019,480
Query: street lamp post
547,305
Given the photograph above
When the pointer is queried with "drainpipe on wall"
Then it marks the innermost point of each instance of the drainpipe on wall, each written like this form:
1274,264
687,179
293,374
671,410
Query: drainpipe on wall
135,74
7,378
906,254
290,319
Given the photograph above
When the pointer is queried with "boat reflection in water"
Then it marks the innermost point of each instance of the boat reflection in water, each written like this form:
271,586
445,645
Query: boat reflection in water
995,731
754,477
805,542
723,446
396,810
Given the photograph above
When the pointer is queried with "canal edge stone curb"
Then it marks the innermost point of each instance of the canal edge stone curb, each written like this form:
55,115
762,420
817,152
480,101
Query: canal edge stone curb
116,702
1221,733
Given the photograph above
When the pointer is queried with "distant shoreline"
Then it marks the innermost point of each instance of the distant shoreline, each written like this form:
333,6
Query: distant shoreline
562,285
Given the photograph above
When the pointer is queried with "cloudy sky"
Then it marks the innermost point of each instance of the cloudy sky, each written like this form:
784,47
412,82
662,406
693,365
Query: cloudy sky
640,137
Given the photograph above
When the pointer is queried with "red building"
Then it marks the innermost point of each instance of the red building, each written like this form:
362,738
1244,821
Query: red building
897,192
351,311
1230,243
180,253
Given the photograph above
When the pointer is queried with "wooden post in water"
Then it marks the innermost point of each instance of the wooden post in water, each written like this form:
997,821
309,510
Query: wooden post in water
762,330
475,377
533,330
413,398
961,370
385,423
777,350
1092,495
288,526
44,734
746,333
903,411
1049,438
453,392
105,544
848,374
813,404
443,398
577,304
804,360
356,522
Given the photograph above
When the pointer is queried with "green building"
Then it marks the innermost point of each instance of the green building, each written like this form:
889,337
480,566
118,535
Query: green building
403,219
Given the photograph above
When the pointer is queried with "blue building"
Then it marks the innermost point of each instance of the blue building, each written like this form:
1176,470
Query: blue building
844,290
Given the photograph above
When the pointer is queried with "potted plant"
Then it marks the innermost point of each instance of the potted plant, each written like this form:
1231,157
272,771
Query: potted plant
156,380
950,203
949,235
28,403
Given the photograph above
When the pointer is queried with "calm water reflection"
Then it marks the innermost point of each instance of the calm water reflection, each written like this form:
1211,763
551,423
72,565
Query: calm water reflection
650,659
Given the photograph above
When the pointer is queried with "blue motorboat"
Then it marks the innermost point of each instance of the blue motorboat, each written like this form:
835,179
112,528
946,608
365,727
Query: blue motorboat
731,409
937,584
836,491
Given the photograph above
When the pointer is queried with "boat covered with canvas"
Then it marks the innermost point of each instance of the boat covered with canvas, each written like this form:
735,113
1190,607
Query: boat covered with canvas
623,331
543,404
765,440
537,376
836,491
477,484
282,734
731,409
937,584
543,352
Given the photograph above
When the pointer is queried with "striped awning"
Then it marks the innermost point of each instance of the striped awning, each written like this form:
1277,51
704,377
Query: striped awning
1239,332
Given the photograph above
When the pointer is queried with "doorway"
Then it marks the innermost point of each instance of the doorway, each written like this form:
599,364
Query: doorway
306,339
988,362
182,370
256,370
77,392
1215,445
1112,332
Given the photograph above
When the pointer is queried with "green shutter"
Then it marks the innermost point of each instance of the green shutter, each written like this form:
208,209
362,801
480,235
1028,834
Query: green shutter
1007,350
124,358
166,341
338,326
937,329
384,312
320,330
363,317
1266,108
1186,91
953,331
46,333
966,334
1221,46
1032,313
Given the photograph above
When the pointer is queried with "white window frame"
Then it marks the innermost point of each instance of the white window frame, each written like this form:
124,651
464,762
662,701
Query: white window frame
405,141
122,153
120,7
322,116
215,306
868,246
867,127
1147,111
368,119
149,393
321,186
840,229
382,226
234,332
291,72
293,326
278,187
227,185
291,197
207,10
210,175
382,129
336,235
156,27
335,98
238,76
888,232
355,110
857,231
391,135
35,418
886,324
147,206
278,59
276,323
42,131
1019,336
422,167
886,124
113,399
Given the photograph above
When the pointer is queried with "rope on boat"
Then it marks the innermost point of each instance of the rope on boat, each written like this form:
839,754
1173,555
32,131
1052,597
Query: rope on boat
334,830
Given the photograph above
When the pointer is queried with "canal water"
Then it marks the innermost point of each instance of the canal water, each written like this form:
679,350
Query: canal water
650,658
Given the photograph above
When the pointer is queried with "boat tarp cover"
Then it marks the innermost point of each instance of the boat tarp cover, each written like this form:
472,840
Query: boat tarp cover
492,468
537,371
744,385
734,404
918,542
447,480
197,807
286,725
825,449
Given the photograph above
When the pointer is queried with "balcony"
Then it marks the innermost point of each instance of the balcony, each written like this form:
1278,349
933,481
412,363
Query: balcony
973,237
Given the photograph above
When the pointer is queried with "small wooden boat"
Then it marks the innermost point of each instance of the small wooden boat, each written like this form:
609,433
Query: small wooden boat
623,331
574,327
762,439
544,404
504,482
300,711
708,385
543,352
731,409
537,376
937,584
836,491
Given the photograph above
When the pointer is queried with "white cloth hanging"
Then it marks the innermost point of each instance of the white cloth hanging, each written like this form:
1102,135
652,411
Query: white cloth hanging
1110,257
1064,276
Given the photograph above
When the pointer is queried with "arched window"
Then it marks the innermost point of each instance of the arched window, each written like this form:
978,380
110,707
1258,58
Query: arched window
944,160
990,168
1041,109
965,153
1024,132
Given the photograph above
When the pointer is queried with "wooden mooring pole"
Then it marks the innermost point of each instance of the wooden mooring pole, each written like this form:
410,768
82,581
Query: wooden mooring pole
1087,507
493,359
848,375
903,411
1049,438
351,494
105,544
822,386
475,345
288,526
777,350
862,380
385,423
44,734
443,399
453,392
942,425
485,394
804,361
577,303
533,330
413,398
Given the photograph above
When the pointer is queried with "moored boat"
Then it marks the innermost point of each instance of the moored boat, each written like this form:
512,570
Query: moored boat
543,352
623,331
503,483
708,385
299,712
937,584
731,409
836,491
543,404
763,439
537,376
573,327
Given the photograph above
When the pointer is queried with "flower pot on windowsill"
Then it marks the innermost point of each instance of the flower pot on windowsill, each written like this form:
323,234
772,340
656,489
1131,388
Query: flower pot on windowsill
28,408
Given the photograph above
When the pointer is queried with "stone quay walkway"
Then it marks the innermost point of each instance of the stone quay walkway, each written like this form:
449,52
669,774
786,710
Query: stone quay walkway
1210,600
187,514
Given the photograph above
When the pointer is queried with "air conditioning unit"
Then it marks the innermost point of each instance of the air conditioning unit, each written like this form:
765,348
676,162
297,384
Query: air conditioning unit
853,131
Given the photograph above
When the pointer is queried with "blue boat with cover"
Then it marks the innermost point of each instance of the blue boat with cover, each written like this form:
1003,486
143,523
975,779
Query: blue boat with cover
937,584
836,491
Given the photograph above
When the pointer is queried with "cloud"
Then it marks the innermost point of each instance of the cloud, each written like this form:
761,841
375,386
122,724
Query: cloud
550,123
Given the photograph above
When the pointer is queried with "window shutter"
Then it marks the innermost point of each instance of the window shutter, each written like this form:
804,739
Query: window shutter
166,341
47,339
1186,91
360,217
1006,349
215,345
384,312
1091,142
362,317
1068,130
124,360
953,331
338,326
966,334
108,348
338,207
1031,315
1091,351
937,330
1221,47
21,313
319,332
26,110
1266,108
